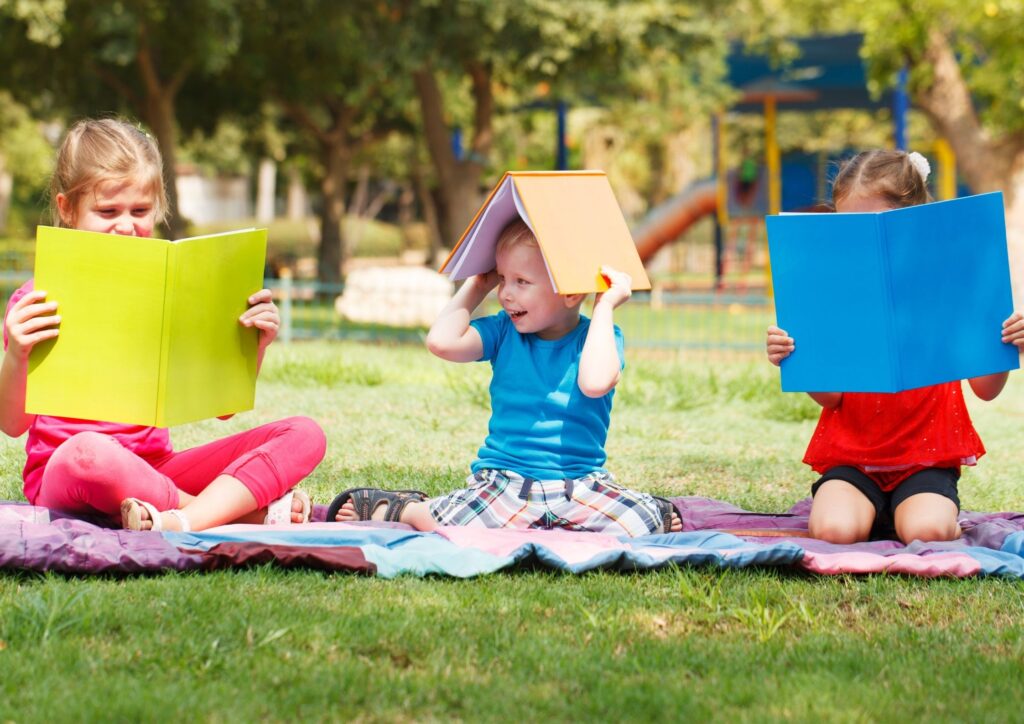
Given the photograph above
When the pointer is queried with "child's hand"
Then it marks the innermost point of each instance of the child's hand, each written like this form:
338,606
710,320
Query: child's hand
780,345
619,288
1013,329
262,314
31,321
485,282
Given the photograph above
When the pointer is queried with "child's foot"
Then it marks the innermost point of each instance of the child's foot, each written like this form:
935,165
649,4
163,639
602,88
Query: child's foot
671,522
139,515
348,514
293,507
358,504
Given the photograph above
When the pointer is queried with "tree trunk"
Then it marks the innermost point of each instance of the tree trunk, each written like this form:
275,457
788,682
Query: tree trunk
330,255
158,112
458,179
6,187
266,191
297,206
426,200
160,117
988,163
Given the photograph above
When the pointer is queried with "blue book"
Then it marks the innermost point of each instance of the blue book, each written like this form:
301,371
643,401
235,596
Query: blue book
891,301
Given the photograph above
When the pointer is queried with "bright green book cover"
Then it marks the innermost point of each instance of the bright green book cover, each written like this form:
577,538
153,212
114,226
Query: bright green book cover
149,331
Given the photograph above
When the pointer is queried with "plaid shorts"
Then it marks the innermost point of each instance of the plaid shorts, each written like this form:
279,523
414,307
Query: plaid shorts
595,503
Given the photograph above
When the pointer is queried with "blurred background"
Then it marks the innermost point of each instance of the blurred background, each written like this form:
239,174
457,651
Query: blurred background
365,134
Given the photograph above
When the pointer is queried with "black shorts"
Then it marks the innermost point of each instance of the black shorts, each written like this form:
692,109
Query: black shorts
941,481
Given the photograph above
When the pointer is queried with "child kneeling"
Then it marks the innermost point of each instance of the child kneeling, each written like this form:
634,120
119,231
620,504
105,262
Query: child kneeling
554,374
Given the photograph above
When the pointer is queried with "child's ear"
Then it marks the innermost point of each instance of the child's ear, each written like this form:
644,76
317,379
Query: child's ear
573,300
65,211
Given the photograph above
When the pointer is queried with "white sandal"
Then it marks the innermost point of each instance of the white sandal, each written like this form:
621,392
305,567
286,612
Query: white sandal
131,516
279,512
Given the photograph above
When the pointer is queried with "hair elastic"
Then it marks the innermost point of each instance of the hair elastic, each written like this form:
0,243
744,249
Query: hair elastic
920,164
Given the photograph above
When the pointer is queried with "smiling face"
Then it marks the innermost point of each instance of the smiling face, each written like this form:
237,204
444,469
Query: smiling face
524,290
125,207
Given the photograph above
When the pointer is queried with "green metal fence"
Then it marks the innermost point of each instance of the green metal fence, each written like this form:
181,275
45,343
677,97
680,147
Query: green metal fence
689,323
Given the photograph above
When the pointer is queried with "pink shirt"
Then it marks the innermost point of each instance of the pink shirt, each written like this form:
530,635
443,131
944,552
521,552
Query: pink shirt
47,433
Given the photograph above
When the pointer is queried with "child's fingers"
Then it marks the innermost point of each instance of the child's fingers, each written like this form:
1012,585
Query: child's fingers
31,340
616,277
266,325
261,321
257,310
36,295
35,324
1012,326
263,295
22,314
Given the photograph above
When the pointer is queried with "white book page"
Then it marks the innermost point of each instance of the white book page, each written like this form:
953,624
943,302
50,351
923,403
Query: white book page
478,258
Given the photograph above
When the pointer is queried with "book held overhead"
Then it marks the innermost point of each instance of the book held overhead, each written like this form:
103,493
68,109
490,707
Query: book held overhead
576,219
149,331
895,300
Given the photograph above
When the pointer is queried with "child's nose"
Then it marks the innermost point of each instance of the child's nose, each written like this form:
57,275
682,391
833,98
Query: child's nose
124,226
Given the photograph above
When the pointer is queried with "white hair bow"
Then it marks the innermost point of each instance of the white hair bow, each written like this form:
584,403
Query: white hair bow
920,164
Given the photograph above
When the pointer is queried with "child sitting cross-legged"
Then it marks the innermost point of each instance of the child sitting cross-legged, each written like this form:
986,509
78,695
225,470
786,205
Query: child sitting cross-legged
554,374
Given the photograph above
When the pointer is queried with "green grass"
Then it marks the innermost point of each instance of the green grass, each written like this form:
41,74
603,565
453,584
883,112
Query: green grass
534,645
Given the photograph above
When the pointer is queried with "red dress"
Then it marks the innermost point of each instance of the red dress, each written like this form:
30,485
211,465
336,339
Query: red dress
892,436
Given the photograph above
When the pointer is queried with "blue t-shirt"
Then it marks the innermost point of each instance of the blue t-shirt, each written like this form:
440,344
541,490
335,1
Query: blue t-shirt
541,425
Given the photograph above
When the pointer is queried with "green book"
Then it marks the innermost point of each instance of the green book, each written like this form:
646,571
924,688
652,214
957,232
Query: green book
149,331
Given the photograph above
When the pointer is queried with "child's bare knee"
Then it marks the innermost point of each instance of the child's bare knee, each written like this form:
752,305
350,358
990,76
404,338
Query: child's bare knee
927,530
836,529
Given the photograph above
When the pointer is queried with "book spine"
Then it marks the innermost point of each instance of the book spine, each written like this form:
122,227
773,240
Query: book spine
896,369
170,274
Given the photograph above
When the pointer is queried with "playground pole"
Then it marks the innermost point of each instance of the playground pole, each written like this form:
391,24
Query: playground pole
771,149
946,186
562,151
900,106
721,191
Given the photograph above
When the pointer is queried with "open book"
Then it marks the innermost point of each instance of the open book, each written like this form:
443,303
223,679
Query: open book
577,222
891,301
149,331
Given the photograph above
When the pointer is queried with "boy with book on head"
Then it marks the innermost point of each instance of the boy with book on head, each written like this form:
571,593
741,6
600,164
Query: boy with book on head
890,463
554,374
109,179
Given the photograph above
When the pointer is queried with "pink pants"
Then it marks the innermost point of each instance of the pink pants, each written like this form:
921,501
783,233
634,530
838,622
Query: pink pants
93,472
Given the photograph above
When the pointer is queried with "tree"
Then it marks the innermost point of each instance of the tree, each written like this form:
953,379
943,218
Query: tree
964,62
470,52
133,56
326,65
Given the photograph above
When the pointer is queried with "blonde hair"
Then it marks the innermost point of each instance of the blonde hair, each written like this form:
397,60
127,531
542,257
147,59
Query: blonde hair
95,151
515,234
889,175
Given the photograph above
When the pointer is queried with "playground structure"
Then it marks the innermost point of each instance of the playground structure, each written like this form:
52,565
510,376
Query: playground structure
827,74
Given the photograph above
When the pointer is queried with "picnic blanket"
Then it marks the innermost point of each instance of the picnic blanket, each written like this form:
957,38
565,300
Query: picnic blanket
714,533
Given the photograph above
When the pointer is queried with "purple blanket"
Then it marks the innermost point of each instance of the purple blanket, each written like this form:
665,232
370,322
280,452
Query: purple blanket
714,532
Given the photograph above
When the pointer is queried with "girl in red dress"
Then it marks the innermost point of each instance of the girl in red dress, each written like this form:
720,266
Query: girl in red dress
890,463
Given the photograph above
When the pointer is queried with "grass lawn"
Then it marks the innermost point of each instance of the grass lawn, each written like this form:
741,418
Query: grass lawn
532,645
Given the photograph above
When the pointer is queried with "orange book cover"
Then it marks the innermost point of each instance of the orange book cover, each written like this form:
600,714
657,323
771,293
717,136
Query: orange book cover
576,219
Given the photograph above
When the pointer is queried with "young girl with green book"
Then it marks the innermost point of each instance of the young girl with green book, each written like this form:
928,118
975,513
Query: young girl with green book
109,179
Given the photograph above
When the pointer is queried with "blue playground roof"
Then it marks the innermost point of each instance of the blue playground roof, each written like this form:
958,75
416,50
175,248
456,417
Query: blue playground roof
827,73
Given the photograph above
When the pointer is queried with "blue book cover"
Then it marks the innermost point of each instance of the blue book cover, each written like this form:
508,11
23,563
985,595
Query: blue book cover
891,301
